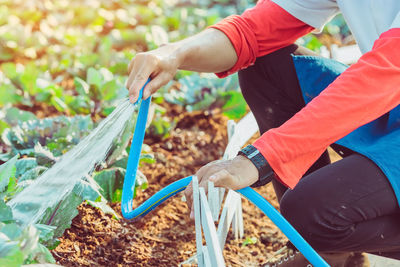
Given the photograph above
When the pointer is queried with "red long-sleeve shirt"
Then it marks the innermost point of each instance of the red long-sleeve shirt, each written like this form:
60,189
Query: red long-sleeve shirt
365,91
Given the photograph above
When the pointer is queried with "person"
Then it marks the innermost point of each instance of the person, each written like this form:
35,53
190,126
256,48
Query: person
302,105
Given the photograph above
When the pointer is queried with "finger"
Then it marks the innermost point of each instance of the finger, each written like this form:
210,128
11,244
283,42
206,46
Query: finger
204,184
155,84
208,169
134,69
138,82
223,178
143,67
192,211
130,66
189,196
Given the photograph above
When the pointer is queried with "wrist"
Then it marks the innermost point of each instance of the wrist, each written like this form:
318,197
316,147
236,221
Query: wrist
184,51
265,172
246,166
179,53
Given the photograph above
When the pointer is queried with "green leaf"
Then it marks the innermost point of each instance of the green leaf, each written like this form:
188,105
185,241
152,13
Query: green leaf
10,253
24,165
43,155
32,174
5,212
80,104
94,77
9,95
62,215
107,111
5,156
7,170
141,182
119,68
10,70
121,163
29,238
110,181
12,189
15,116
147,158
102,205
42,254
46,232
3,125
249,241
106,75
28,78
109,90
11,230
58,103
235,107
88,190
81,86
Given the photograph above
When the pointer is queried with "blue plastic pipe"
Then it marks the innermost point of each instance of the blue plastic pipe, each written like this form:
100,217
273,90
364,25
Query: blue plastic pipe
172,189
134,157
287,229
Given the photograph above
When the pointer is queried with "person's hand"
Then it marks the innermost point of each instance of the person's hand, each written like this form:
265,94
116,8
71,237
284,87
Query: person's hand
160,65
232,174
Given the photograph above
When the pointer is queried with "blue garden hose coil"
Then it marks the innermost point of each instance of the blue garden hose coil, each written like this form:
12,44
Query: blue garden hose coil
172,189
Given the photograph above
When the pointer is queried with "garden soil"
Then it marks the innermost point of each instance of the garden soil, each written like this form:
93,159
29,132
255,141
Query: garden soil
166,236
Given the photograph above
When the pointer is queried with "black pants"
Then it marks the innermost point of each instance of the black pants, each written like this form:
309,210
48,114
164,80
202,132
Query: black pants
347,206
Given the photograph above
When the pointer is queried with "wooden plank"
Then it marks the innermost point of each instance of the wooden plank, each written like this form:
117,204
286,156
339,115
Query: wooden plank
217,205
244,130
213,200
231,127
207,261
210,233
239,213
197,221
237,222
221,196
227,215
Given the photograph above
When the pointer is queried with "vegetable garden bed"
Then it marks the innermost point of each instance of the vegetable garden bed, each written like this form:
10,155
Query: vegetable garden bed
63,68
165,237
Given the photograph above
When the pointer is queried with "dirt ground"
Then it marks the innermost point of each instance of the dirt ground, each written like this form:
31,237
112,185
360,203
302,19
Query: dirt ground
166,236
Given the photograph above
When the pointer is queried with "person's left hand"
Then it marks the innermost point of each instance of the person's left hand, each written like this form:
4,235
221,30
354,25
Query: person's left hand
232,174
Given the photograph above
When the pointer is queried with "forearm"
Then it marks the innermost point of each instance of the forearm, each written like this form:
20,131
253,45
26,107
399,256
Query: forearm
208,51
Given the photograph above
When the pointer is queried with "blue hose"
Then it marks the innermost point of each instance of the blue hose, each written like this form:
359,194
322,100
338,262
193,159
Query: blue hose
134,157
172,189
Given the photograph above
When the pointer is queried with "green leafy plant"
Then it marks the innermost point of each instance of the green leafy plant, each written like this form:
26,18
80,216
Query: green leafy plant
42,141
249,241
201,93
19,245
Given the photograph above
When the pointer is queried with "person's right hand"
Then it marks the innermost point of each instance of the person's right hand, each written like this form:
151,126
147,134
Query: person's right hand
160,65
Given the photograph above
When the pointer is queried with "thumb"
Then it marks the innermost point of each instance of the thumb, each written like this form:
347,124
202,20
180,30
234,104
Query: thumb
222,178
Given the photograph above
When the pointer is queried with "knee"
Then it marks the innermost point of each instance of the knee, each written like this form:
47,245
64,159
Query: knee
310,219
296,213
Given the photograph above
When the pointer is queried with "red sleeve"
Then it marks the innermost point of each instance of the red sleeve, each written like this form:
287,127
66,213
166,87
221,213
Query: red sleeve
260,30
364,92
